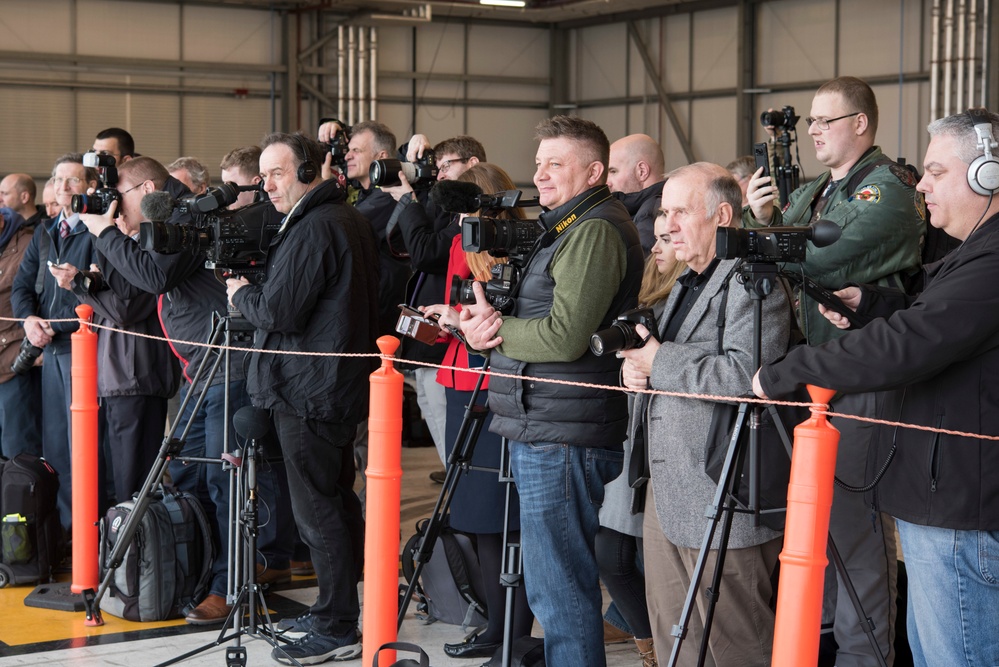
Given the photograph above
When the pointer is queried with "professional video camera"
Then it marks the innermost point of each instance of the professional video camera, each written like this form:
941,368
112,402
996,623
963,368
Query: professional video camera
500,237
99,201
235,241
621,334
774,244
421,173
783,119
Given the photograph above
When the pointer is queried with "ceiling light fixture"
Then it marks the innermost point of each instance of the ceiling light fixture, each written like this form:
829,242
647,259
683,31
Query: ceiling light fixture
504,3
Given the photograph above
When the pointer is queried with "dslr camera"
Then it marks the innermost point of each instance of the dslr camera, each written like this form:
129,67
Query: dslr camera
498,289
421,174
235,241
622,334
99,201
784,119
26,357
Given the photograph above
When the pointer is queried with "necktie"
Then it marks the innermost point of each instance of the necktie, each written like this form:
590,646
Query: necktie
63,229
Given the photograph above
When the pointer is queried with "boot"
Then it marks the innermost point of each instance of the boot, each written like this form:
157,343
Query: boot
647,651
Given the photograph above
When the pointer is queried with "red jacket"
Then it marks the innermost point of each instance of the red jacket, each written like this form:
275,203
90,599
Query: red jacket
457,355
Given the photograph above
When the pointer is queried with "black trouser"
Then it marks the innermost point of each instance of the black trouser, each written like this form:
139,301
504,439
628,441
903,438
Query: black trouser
617,558
135,426
320,462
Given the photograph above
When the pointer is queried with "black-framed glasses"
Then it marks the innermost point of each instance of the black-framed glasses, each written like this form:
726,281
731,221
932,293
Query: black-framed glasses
823,123
130,189
445,165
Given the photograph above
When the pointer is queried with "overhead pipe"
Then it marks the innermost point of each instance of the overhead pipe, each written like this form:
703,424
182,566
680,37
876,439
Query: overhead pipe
972,53
351,55
340,71
935,62
948,58
373,64
985,49
961,56
362,63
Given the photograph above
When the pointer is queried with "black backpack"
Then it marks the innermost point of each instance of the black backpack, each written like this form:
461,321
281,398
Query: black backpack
449,582
31,543
167,568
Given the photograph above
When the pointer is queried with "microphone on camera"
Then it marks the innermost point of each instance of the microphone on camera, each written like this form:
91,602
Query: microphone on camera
821,232
157,206
456,196
251,423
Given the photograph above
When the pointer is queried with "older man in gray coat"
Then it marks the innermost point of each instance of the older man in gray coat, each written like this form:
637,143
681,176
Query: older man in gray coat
696,200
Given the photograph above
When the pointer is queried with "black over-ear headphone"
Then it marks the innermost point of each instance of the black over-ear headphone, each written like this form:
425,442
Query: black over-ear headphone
983,172
308,170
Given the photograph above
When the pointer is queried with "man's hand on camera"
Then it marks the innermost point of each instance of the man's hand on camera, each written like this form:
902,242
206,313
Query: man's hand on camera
480,322
850,296
446,315
233,285
38,331
397,191
98,223
328,130
761,194
416,146
637,368
64,274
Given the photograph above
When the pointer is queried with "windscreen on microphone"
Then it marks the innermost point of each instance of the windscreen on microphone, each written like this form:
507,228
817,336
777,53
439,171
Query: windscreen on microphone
824,232
157,206
251,423
456,196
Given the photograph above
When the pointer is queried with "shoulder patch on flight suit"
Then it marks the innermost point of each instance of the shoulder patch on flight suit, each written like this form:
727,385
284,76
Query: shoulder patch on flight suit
869,193
903,174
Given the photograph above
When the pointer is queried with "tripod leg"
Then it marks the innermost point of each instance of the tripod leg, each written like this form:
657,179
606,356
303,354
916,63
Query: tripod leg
866,622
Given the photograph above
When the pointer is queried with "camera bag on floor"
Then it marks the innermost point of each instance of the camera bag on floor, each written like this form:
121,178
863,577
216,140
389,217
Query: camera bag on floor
30,533
449,582
167,568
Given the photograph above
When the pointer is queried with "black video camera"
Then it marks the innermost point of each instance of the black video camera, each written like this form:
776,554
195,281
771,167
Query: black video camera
99,201
236,241
622,334
500,237
784,119
421,173
774,244
498,289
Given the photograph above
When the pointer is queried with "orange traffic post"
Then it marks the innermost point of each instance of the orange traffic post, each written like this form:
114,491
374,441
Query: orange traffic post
803,559
384,484
84,461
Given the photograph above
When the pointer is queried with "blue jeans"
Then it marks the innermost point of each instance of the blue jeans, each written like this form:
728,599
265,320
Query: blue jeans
21,414
953,592
561,489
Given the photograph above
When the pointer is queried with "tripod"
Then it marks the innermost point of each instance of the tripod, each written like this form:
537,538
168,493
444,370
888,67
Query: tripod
226,329
759,280
460,460
787,173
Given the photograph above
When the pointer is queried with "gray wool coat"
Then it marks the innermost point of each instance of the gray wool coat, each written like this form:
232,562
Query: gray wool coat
678,427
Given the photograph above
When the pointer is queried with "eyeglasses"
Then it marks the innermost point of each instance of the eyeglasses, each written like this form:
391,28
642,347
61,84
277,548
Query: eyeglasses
72,181
130,189
823,123
445,166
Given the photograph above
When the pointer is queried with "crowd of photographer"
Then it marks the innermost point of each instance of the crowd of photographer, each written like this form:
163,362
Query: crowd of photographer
312,246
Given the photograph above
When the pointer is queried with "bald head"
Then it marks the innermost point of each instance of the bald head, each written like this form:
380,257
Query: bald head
636,162
17,191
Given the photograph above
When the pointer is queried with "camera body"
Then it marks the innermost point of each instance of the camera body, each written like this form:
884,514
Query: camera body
622,334
761,245
785,119
498,289
499,237
26,357
421,174
338,147
99,201
236,241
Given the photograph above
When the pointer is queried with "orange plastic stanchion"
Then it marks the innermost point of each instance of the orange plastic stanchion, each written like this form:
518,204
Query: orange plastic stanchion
84,460
381,536
803,559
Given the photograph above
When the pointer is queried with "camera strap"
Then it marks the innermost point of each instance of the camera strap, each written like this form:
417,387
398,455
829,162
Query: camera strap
587,204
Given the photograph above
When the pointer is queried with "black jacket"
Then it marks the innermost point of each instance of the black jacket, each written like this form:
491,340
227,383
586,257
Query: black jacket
53,302
643,206
427,232
190,292
319,297
377,206
941,356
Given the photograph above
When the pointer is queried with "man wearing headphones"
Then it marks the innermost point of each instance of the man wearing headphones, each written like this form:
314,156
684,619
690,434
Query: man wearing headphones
873,201
320,297
939,352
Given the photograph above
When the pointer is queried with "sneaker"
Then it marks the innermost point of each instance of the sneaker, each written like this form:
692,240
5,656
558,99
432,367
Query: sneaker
301,625
314,648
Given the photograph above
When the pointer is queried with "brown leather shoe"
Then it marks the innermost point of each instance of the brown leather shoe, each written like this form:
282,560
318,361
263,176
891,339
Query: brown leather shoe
212,609
614,635
302,568
269,576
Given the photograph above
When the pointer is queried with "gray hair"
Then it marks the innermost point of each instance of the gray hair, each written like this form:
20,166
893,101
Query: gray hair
722,186
197,171
962,128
